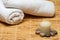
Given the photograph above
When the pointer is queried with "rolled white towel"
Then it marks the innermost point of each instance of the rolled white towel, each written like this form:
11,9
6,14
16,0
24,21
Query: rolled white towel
10,16
33,7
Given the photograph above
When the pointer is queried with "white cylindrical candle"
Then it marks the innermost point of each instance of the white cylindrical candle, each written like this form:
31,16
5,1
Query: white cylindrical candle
45,27
32,7
10,16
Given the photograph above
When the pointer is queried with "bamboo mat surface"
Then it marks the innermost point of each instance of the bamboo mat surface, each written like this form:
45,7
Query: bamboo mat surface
26,29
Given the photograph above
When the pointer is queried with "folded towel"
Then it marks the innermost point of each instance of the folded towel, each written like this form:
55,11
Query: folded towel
10,16
33,7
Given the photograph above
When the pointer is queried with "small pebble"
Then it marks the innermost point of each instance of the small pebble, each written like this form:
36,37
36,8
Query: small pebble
42,34
37,31
53,32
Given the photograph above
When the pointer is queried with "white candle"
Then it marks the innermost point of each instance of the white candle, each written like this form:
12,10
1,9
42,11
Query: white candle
45,27
10,16
32,7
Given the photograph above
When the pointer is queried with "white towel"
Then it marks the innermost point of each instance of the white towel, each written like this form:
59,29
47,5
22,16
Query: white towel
10,16
33,7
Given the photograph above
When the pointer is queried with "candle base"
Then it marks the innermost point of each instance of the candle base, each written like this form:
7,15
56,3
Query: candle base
52,33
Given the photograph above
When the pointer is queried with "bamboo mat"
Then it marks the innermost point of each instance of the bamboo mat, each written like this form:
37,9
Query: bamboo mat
26,30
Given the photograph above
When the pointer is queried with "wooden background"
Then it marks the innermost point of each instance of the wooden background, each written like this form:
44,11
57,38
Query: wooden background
26,30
